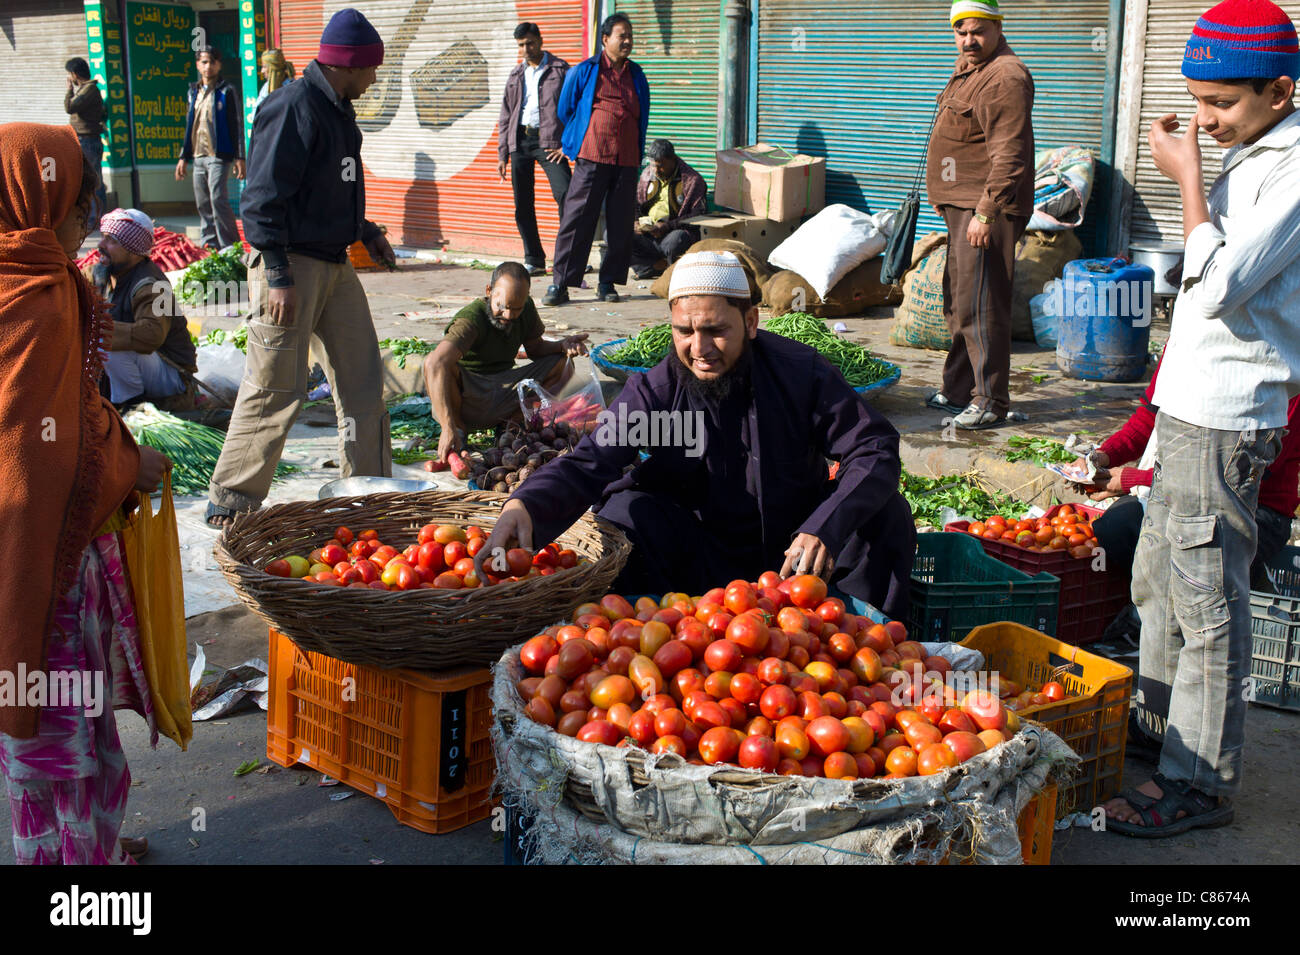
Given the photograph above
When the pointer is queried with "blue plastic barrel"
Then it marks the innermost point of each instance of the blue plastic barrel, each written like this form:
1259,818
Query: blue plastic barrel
1103,315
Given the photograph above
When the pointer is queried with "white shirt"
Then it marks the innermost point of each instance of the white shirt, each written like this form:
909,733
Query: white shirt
1233,358
531,115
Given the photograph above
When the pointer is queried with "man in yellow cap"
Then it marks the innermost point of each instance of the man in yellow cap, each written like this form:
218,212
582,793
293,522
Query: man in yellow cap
980,178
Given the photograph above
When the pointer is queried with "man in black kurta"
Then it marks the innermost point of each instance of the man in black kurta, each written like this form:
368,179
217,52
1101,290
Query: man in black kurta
751,489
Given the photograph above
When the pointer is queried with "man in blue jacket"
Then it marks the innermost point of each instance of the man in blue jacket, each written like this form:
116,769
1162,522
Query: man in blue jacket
605,109
214,142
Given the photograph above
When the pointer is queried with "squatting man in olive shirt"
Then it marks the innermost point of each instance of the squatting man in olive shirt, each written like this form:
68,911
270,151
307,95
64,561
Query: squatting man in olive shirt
471,376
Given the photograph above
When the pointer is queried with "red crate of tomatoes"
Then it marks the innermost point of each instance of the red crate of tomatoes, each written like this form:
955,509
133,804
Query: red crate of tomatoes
1062,543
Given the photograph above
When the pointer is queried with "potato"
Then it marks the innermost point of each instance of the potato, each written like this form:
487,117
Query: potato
501,487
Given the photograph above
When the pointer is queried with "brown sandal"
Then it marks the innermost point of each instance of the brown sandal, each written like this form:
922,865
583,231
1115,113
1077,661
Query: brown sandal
137,849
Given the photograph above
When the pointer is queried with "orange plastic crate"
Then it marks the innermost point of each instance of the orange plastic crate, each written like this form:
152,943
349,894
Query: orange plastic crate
418,741
1093,719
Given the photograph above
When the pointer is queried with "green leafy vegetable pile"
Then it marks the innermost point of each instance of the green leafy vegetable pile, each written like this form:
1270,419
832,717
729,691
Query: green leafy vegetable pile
645,349
404,348
205,279
929,496
193,448
238,338
1042,451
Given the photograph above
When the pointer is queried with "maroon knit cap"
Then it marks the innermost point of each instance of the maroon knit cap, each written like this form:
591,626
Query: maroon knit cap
350,40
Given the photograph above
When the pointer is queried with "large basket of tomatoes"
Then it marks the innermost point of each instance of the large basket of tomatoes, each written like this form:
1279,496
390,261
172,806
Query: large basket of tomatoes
761,717
403,592
1062,543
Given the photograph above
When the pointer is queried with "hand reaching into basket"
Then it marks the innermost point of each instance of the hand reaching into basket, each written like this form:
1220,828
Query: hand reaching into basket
514,528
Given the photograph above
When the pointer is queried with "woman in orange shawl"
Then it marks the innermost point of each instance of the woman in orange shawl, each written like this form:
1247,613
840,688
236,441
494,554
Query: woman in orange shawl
68,472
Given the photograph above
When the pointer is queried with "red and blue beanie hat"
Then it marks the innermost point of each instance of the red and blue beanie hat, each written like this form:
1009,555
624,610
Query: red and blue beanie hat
1242,40
350,40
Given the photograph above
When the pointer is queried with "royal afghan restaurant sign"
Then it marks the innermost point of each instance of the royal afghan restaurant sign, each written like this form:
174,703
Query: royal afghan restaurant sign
162,38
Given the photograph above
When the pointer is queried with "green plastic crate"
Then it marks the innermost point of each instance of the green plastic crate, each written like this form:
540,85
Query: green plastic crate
957,587
1275,635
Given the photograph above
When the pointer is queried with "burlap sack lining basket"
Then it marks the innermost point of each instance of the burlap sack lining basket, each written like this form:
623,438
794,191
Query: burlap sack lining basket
418,629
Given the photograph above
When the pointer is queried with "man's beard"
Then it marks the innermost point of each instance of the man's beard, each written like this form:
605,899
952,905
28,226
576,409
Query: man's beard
727,385
500,324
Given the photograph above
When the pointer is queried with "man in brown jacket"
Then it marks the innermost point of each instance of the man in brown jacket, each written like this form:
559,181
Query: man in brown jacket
529,131
150,353
980,178
85,108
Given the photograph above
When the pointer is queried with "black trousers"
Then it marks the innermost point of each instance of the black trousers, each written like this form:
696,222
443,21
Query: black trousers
646,251
596,185
673,551
521,183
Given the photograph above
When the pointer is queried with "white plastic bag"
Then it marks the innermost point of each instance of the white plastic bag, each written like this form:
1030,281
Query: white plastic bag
221,367
579,407
830,245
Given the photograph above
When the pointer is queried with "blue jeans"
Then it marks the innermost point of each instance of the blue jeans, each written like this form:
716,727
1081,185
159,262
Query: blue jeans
1191,585
93,148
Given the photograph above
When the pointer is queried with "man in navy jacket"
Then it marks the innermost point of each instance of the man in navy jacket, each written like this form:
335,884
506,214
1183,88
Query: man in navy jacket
738,424
605,109
214,142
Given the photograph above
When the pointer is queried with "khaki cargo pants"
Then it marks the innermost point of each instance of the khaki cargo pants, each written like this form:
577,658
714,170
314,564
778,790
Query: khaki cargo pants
331,309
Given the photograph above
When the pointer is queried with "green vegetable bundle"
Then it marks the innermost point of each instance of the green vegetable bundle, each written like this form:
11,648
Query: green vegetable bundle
929,496
193,448
858,366
206,279
1042,451
645,349
403,348
238,338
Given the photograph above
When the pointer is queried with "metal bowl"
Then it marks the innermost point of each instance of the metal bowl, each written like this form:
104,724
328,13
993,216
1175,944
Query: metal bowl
1160,257
355,486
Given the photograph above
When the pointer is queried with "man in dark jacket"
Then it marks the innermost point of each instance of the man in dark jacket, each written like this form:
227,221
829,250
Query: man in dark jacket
303,206
605,109
669,191
214,142
528,132
85,108
150,353
738,424
980,178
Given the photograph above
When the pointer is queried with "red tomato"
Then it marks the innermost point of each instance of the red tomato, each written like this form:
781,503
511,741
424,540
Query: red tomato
673,657
778,702
807,591
641,727
749,633
600,731
1054,692
453,552
723,655
343,536
670,723
669,744
840,766
831,610
759,752
827,735
383,554
718,745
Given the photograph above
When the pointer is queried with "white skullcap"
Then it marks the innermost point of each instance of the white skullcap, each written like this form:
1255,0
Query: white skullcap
709,273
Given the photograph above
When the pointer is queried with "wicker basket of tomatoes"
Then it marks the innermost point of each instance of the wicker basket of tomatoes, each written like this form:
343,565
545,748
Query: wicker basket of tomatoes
414,622
1062,543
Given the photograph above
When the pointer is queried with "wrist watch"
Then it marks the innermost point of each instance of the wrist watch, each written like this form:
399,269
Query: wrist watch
987,220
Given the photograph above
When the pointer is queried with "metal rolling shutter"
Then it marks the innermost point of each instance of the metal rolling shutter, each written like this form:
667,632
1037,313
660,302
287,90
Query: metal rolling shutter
40,36
430,159
856,82
1156,210
677,46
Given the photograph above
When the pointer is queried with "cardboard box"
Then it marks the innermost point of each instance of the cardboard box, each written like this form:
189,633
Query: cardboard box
761,235
770,182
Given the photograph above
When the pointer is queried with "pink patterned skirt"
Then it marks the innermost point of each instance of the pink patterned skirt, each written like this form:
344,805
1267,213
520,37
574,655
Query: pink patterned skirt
68,785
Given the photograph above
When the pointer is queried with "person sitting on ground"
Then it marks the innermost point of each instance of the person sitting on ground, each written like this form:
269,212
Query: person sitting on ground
1117,530
471,376
669,192
739,485
151,356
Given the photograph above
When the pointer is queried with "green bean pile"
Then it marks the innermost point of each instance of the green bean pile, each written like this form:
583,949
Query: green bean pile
646,349
858,366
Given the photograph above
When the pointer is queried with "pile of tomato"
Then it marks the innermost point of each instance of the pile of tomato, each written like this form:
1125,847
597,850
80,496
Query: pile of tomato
1067,530
441,559
771,675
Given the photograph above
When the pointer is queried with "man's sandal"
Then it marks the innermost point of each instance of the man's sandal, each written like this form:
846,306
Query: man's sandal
137,849
1160,816
218,517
